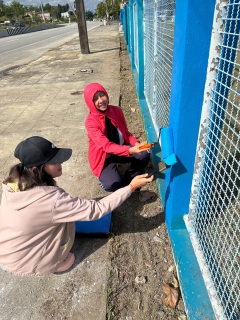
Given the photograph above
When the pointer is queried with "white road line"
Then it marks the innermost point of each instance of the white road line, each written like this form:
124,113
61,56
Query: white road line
13,40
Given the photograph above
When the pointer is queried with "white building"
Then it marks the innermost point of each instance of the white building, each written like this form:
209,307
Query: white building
65,14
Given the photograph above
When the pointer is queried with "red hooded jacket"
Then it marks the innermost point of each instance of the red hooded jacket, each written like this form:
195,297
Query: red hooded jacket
99,145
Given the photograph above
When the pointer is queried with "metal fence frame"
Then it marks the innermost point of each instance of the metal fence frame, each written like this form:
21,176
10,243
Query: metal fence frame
194,36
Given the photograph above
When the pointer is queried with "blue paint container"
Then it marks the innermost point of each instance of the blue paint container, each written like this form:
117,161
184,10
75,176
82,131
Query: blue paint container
100,226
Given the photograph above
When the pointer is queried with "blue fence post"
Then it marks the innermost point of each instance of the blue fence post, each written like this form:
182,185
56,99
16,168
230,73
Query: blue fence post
140,39
192,36
124,23
128,28
131,28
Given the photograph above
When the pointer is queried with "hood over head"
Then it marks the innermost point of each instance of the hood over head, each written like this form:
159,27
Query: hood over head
89,92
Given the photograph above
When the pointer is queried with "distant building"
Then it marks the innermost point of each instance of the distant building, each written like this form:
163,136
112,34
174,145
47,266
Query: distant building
46,14
65,14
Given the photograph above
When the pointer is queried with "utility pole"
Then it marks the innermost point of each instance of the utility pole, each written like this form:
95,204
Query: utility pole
107,14
70,6
42,11
82,26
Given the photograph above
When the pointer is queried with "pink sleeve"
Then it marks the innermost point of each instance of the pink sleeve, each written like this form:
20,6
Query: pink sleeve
68,209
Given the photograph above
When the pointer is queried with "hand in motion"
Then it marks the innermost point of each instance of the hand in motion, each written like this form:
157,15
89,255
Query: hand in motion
141,180
135,149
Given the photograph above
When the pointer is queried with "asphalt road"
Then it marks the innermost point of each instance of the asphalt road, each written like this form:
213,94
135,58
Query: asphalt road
20,49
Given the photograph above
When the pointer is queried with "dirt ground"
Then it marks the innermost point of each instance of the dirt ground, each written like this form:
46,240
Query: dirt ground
140,251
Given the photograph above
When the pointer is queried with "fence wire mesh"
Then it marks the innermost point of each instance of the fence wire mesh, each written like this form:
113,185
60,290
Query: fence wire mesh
164,53
149,8
217,197
159,18
135,21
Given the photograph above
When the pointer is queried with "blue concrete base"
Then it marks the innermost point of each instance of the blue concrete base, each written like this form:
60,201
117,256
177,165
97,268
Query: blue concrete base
195,296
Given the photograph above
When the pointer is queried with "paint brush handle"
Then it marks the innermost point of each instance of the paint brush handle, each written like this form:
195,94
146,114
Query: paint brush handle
146,146
150,174
154,171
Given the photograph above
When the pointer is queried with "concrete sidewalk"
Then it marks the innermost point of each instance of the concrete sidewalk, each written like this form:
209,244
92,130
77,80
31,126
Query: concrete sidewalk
45,98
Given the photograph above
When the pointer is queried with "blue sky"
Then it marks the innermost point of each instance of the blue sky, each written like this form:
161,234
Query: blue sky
89,4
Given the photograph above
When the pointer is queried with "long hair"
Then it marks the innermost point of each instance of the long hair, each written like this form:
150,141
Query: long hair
28,177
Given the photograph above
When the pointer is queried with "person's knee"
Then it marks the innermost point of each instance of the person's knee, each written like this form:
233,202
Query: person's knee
144,156
113,186
147,156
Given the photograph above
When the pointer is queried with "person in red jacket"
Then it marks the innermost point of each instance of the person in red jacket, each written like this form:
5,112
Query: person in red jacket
110,141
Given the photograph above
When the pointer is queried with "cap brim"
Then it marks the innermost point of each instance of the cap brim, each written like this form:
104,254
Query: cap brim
62,155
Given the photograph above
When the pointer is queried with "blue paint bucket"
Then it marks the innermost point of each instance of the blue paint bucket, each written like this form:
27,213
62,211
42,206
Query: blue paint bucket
100,226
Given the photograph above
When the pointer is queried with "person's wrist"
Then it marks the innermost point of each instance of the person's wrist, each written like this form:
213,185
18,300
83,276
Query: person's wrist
132,187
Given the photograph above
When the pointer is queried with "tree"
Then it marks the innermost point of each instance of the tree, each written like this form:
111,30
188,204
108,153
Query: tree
54,12
115,10
47,7
15,10
7,11
36,17
1,9
101,10
3,19
108,8
33,9
89,15
65,8
28,20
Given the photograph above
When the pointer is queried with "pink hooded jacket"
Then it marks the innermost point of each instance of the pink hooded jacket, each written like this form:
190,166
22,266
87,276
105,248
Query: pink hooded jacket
99,145
37,226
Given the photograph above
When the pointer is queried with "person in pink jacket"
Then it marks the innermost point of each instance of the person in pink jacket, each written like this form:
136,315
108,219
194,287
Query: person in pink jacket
110,141
37,218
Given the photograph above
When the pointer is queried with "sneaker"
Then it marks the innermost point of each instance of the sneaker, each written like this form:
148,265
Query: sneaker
66,263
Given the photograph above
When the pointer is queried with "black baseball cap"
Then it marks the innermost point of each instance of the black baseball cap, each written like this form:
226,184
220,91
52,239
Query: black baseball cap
35,151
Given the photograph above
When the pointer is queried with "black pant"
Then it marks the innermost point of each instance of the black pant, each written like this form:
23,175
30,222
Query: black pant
110,178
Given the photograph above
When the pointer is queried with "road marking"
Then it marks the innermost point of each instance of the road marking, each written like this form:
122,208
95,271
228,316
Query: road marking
13,40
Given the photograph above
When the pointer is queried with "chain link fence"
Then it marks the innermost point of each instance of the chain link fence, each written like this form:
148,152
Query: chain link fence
216,201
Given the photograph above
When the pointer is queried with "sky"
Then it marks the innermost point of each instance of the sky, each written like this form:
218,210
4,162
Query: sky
89,4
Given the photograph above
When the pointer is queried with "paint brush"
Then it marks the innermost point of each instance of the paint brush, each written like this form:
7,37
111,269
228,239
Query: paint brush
162,166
